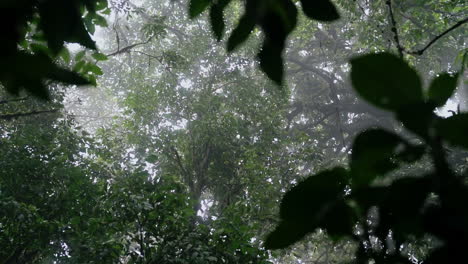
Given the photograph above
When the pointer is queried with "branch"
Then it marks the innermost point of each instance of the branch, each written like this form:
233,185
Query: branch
421,51
12,116
394,28
130,47
14,100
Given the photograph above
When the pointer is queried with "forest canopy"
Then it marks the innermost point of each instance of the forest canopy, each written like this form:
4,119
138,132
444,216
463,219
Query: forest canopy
257,131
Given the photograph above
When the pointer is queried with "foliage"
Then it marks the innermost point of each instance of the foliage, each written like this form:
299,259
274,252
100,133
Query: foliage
342,201
276,18
33,36
189,150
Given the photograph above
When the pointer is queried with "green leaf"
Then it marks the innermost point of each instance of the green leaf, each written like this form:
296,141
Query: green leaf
386,81
371,156
79,65
65,54
100,20
441,88
152,158
80,55
196,7
99,56
94,69
454,129
38,48
321,10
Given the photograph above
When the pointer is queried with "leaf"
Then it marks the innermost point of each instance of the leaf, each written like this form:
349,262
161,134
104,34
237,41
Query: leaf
65,54
33,71
67,77
271,61
94,69
78,66
152,158
196,7
307,198
371,156
417,117
454,129
441,88
279,20
99,56
313,203
240,33
321,10
100,20
286,234
217,18
61,22
385,81
80,55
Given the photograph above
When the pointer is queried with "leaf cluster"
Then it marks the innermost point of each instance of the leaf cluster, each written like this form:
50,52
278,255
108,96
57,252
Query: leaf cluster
341,201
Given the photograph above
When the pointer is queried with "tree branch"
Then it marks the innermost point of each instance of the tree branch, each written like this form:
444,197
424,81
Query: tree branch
16,115
394,29
421,51
130,47
14,100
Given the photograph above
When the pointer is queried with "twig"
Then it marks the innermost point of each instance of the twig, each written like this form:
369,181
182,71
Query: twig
394,29
130,47
14,100
421,51
16,115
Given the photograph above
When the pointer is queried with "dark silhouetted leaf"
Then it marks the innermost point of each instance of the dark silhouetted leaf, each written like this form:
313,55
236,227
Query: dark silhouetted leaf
67,77
286,234
196,7
442,87
455,129
338,220
385,81
321,10
217,18
313,203
417,117
61,22
371,156
307,199
402,208
271,61
240,33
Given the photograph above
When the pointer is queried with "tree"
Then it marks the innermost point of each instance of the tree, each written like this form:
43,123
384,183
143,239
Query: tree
205,149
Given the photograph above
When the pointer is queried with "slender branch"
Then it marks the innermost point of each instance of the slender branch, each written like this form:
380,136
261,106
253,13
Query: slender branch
130,47
14,100
421,51
159,59
16,115
394,28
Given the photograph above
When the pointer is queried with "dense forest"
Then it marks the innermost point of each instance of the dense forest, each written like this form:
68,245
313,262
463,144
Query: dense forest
229,131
